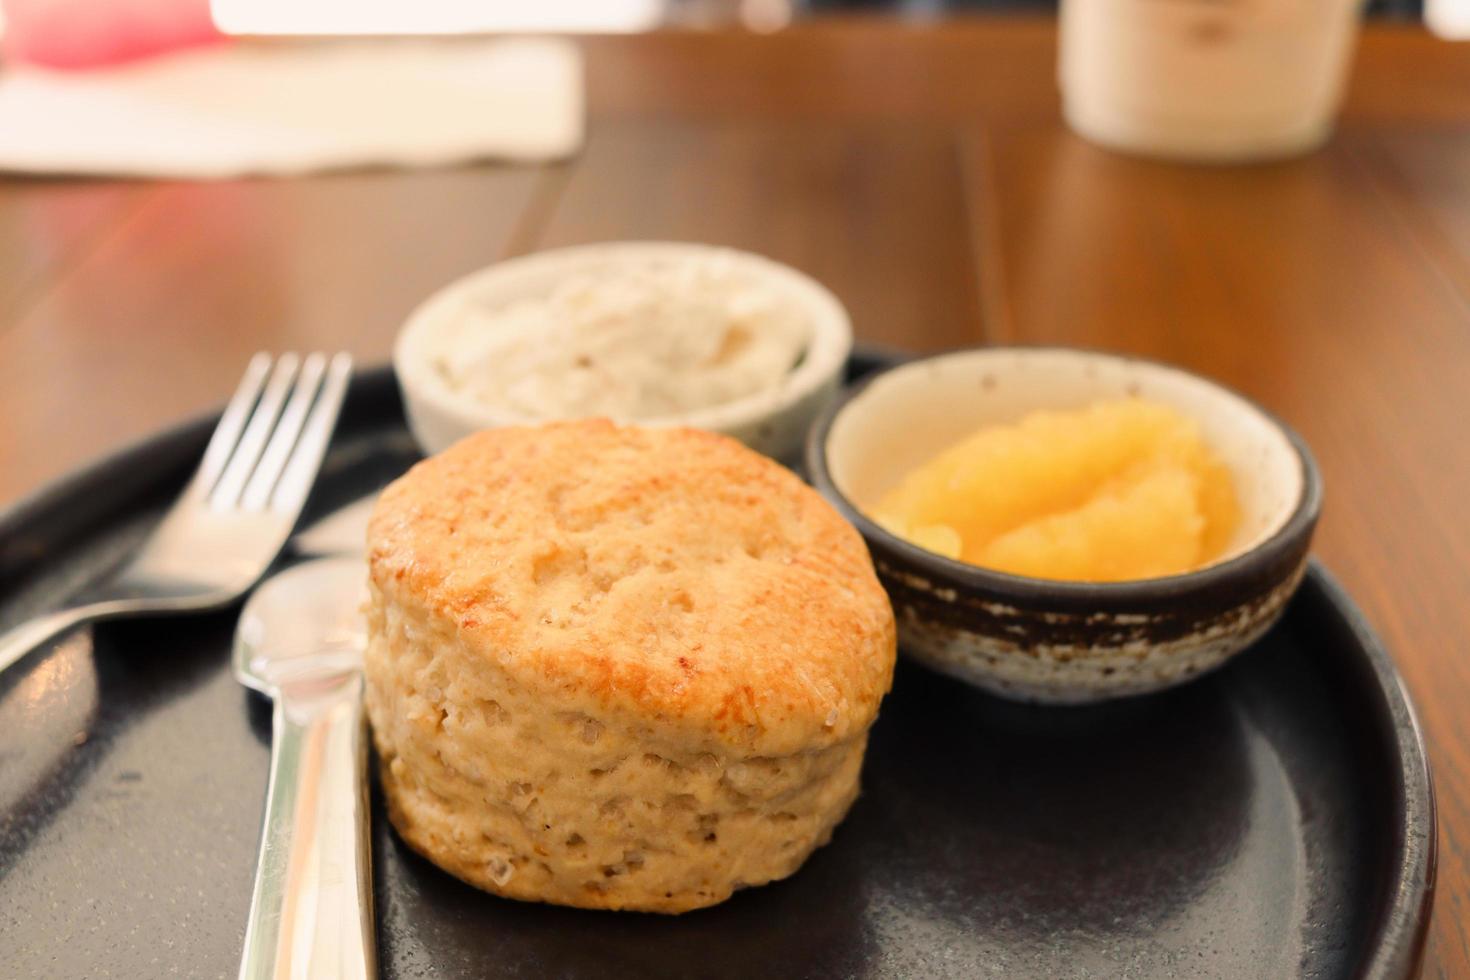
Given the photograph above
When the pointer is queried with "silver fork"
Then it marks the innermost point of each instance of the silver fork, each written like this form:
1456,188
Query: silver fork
237,511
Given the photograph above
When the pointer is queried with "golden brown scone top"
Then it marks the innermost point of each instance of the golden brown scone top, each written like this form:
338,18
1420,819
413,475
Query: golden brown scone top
670,573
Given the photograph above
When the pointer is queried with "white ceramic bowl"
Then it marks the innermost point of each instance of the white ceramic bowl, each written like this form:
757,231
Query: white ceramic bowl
1043,640
773,421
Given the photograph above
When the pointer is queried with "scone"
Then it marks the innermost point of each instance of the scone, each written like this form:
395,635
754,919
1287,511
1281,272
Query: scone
617,667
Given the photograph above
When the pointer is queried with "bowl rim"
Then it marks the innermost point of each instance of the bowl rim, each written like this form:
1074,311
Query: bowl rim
823,357
1023,589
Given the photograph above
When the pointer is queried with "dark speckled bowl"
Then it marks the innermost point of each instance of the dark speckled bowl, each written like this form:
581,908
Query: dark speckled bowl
1068,642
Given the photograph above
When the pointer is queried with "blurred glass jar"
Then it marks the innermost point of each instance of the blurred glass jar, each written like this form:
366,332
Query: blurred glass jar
1206,79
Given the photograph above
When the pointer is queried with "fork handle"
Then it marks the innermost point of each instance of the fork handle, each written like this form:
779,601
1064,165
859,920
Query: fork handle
29,635
311,915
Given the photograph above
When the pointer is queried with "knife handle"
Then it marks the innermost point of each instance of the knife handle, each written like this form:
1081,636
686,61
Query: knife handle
311,915
29,635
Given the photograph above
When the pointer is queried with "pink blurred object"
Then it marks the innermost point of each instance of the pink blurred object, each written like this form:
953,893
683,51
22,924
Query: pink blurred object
92,33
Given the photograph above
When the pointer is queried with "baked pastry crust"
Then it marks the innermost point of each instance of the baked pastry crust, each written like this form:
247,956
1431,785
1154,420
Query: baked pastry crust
619,667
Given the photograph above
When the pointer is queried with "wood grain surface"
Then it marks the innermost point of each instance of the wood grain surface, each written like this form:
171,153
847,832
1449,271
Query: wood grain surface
878,211
158,321
921,171
45,226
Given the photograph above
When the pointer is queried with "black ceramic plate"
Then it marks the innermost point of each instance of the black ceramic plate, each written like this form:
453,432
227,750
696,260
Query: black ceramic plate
1271,820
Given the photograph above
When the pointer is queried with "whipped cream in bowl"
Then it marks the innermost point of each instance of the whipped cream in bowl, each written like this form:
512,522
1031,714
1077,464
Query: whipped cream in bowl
653,333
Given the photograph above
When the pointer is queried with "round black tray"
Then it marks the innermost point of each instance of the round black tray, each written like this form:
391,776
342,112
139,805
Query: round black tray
1270,820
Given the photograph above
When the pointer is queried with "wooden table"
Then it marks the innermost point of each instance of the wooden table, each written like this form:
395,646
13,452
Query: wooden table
922,173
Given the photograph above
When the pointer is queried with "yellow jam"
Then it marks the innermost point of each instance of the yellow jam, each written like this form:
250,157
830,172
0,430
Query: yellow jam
1118,490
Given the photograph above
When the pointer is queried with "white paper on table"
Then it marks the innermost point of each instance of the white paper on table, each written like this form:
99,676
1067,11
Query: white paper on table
290,108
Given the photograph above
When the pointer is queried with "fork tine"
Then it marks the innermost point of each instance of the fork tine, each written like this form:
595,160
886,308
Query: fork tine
258,491
227,432
262,420
306,459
